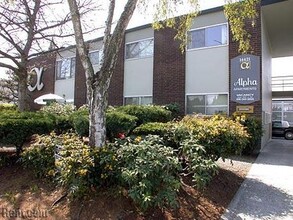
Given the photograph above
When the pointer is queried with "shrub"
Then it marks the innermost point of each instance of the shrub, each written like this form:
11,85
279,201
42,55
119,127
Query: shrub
72,164
174,108
7,106
220,136
116,122
81,125
60,113
253,126
10,114
105,171
196,162
64,158
80,122
39,157
155,128
119,122
16,127
147,113
56,108
149,170
62,124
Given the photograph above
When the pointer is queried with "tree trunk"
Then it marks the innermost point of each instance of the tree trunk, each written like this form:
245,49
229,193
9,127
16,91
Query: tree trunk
98,106
98,83
23,104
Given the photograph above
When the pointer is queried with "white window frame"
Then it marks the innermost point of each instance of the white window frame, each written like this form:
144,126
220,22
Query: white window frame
139,98
137,41
205,27
72,75
205,94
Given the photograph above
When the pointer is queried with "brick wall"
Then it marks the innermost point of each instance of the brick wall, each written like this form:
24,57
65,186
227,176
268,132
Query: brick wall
257,50
116,86
117,81
46,61
80,84
169,70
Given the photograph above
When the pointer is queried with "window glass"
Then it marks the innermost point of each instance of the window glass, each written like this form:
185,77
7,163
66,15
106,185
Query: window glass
208,37
72,67
65,68
288,116
216,110
217,100
196,99
276,115
94,57
288,107
143,100
214,36
195,110
196,104
140,49
131,101
277,106
207,104
146,100
197,38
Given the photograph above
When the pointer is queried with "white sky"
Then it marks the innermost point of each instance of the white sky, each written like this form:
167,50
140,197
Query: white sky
281,66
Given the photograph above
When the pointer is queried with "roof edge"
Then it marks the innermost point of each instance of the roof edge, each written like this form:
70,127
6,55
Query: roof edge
270,2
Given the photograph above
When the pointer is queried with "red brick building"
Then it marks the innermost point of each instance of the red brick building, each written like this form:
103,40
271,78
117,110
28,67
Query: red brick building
209,77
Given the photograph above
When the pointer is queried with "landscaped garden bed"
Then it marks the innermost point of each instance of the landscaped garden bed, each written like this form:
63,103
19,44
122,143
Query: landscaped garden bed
153,164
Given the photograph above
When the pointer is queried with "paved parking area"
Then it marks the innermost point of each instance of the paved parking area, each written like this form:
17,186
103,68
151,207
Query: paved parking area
267,192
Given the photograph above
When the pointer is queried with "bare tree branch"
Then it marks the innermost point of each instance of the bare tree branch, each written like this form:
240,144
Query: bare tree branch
107,33
5,65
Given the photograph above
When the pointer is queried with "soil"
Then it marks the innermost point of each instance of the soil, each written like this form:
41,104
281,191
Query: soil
22,196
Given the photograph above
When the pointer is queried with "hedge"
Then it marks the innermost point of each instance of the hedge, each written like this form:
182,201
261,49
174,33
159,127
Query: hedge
17,127
147,113
155,128
116,122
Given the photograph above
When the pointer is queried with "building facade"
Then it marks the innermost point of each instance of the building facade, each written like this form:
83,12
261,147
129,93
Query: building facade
210,77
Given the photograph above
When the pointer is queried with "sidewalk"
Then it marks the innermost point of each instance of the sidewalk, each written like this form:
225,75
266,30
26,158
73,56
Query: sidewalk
267,192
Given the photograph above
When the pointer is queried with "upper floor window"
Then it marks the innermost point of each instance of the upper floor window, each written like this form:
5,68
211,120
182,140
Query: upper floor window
140,49
94,57
65,68
208,37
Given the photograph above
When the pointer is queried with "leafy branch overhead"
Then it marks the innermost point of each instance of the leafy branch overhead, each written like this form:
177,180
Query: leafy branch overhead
239,14
165,16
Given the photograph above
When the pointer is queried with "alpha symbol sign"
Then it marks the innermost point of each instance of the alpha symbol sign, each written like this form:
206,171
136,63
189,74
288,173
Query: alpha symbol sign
38,85
245,79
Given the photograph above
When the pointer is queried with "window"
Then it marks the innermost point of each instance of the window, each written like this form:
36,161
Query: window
94,57
283,110
207,104
140,49
142,100
208,37
65,68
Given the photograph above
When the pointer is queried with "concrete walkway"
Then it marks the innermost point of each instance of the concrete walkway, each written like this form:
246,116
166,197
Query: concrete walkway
267,192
